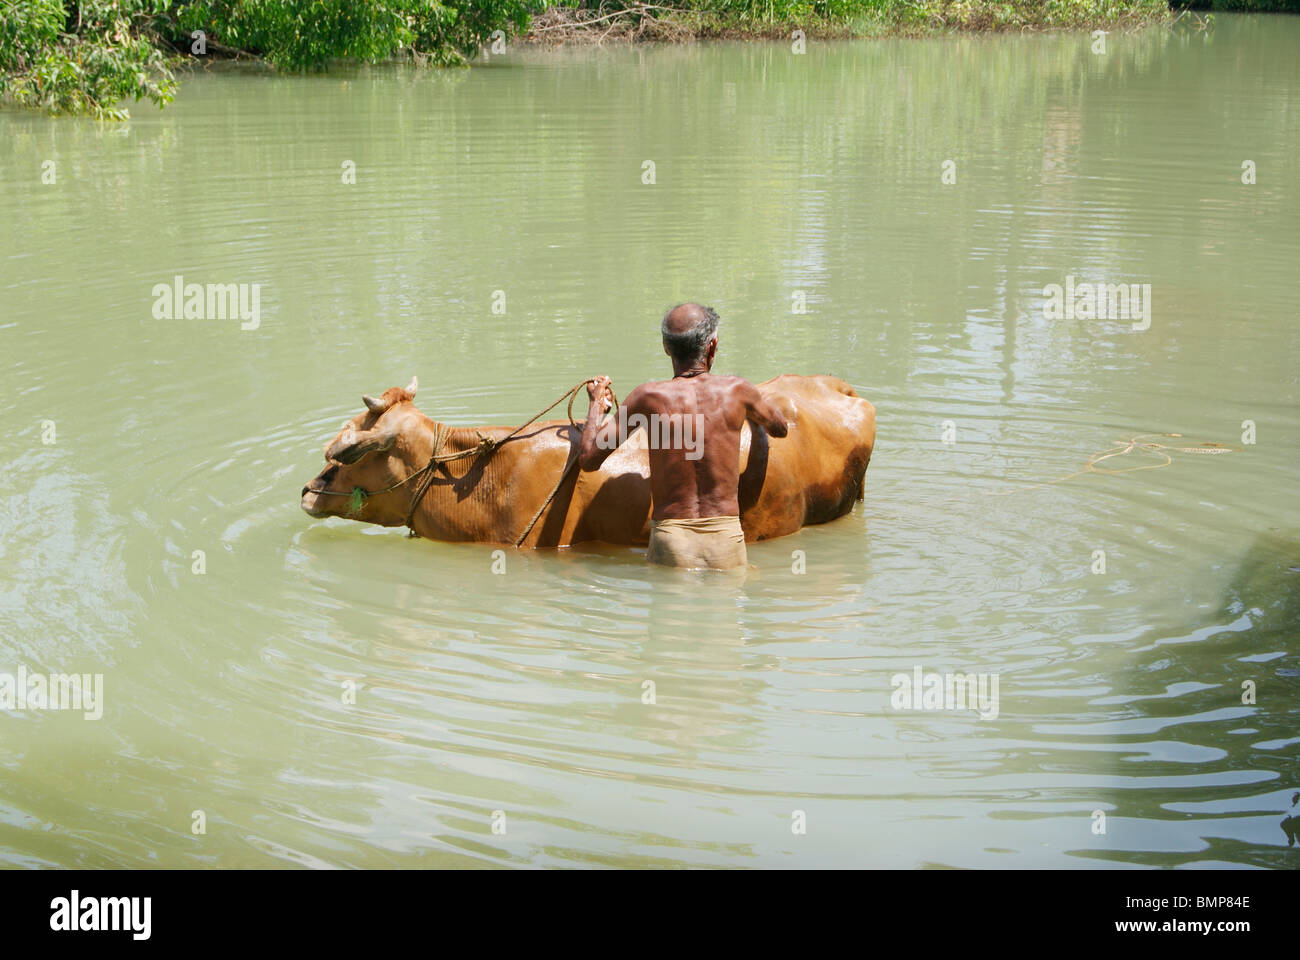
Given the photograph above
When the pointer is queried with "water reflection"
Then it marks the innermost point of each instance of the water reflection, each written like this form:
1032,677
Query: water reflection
337,695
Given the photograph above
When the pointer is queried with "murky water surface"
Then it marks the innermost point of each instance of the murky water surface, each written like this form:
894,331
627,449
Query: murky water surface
777,179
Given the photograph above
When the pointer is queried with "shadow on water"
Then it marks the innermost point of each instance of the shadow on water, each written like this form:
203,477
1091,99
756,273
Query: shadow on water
1267,588
1228,691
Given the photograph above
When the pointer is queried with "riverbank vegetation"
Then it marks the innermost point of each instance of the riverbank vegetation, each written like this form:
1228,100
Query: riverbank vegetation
1241,6
603,20
87,56
91,56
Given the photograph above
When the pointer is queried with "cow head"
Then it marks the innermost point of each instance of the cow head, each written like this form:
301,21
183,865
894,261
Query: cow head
373,451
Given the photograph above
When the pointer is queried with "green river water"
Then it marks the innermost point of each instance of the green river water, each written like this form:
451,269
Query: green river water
499,718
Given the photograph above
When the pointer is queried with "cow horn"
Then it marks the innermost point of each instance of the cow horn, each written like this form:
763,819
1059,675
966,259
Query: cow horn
413,386
373,405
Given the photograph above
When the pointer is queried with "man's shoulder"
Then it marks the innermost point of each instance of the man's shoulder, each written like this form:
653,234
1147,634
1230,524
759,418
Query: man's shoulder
733,384
650,394
652,389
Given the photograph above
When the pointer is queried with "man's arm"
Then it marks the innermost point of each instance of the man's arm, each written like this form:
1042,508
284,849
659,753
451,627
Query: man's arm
599,440
761,413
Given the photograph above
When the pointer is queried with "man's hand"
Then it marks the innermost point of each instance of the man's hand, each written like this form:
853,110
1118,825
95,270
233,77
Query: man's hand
599,392
599,439
763,414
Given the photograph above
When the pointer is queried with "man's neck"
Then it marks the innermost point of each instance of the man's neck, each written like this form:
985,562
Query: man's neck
691,370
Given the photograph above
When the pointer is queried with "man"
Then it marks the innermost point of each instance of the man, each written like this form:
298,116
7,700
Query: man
694,421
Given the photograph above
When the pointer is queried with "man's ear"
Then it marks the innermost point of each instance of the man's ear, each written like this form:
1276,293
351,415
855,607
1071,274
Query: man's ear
713,349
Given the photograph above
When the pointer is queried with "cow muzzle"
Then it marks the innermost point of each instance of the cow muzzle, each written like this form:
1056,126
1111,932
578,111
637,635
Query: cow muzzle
312,502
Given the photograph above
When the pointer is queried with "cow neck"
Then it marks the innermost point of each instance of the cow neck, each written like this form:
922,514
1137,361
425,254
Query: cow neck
443,435
447,444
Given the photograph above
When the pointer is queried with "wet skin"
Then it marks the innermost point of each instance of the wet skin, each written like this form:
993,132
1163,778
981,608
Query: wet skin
693,480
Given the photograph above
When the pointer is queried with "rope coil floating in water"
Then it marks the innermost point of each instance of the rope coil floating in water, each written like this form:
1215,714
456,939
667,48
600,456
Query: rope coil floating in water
1123,447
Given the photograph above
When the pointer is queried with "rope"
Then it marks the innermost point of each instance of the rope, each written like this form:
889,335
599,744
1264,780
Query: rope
439,436
568,466
1128,446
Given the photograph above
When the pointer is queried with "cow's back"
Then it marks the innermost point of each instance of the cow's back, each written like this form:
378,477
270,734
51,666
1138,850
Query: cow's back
815,473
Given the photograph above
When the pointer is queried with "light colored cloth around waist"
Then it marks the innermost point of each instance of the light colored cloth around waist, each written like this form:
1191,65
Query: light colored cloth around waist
716,543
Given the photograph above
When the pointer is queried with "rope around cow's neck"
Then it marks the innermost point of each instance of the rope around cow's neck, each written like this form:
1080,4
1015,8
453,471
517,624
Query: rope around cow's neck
484,446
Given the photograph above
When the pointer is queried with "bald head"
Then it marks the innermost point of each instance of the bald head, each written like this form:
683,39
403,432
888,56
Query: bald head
688,330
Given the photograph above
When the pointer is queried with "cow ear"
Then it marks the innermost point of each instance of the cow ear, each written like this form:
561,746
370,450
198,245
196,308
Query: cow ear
350,446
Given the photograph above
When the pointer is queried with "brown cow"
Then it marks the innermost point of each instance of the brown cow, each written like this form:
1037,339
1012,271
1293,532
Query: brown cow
810,476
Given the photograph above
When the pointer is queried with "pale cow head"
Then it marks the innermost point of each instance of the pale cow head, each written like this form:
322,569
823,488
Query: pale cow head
372,453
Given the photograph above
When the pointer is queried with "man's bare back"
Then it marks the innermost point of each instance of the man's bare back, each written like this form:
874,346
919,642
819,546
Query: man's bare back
700,476
694,423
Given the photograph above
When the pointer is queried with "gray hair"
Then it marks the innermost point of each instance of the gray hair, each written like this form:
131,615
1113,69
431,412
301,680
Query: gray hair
689,345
